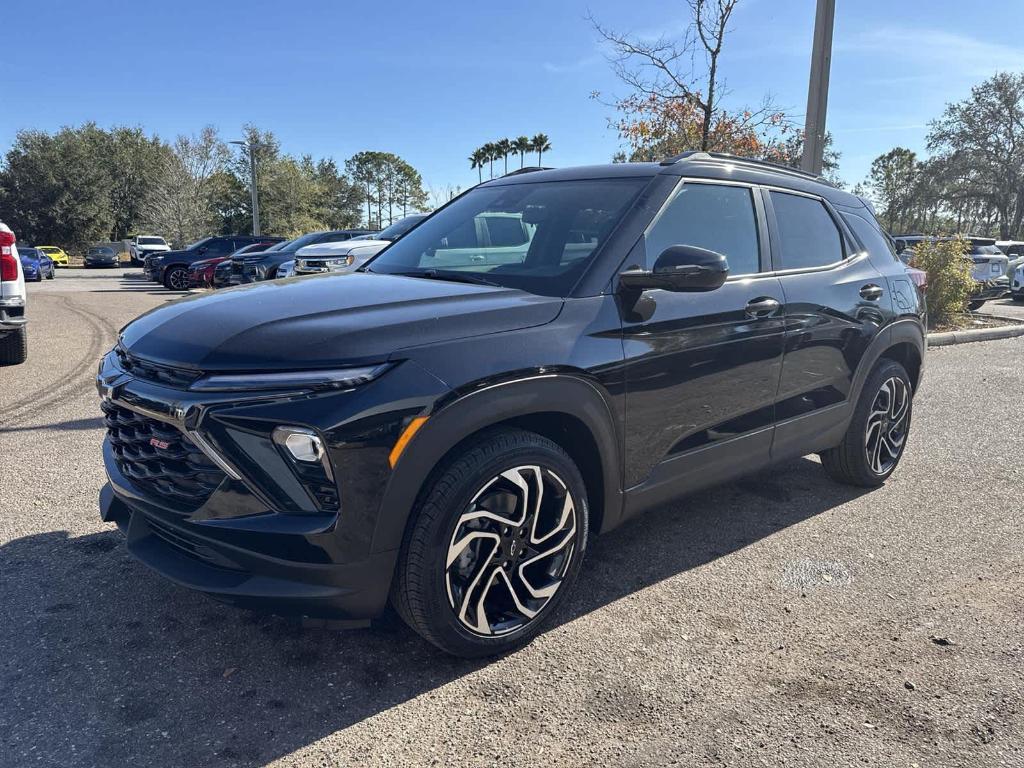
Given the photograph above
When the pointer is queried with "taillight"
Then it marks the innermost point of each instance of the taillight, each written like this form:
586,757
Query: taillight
8,264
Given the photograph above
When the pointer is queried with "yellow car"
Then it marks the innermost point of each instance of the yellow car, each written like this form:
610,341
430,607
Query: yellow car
57,254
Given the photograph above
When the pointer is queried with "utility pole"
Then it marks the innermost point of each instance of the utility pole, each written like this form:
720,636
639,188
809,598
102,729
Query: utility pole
817,89
250,147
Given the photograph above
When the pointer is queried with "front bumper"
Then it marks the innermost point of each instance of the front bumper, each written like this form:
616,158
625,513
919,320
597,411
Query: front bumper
253,541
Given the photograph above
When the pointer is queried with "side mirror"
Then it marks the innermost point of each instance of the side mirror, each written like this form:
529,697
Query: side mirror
683,268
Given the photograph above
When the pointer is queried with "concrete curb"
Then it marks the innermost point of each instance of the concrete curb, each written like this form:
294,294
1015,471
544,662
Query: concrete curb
977,334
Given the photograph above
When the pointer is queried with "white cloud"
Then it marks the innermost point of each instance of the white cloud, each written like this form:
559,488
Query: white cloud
579,65
935,52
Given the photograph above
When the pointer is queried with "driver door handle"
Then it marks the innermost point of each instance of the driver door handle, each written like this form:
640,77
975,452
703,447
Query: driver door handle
762,307
871,292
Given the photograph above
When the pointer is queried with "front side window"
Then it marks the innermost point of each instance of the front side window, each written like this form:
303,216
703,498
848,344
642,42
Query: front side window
807,234
716,217
536,247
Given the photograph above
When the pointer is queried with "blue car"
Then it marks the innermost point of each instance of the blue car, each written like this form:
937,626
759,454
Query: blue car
36,265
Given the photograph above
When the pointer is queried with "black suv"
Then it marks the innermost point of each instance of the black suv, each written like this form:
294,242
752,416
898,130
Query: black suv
171,267
252,268
445,427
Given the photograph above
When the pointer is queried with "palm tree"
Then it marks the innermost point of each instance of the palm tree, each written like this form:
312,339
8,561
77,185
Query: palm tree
505,149
477,160
541,144
489,155
522,145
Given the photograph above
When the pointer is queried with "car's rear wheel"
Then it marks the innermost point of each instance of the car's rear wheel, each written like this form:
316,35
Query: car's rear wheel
176,279
495,545
974,306
877,435
14,347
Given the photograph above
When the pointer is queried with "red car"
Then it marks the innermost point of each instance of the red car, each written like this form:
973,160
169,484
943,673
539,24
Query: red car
200,273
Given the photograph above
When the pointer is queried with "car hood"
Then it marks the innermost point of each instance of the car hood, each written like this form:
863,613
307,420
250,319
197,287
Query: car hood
345,247
319,322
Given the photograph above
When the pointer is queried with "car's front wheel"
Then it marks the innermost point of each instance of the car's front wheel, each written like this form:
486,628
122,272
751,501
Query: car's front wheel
877,435
495,546
974,306
176,279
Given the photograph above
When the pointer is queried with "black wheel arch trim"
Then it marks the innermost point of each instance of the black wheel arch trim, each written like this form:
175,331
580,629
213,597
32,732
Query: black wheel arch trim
905,331
573,396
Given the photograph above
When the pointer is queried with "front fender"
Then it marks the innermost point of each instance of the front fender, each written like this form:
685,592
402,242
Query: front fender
487,406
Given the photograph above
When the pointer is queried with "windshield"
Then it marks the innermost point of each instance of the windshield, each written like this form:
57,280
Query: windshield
298,242
987,250
197,243
28,253
399,228
48,249
152,241
538,237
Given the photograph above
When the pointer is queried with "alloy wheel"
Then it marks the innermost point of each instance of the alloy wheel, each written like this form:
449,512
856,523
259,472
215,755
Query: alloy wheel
510,550
178,279
886,431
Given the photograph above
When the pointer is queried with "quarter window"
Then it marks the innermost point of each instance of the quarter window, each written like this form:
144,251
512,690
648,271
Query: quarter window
808,235
870,235
713,216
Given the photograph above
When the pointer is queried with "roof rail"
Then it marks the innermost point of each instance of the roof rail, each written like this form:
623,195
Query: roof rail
527,169
695,154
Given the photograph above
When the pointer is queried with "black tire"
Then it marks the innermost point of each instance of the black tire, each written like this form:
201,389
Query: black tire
176,278
421,592
849,462
53,273
1017,296
14,347
974,306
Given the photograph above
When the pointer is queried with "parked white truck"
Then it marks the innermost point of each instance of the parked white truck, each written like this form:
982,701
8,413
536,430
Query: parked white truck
13,322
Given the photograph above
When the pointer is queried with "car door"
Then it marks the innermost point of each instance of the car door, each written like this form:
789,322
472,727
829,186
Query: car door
836,302
702,369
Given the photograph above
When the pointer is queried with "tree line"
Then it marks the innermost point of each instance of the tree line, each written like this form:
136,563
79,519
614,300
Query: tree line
973,180
493,151
86,184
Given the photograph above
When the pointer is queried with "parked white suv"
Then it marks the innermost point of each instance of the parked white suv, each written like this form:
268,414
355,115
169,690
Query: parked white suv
13,331
143,245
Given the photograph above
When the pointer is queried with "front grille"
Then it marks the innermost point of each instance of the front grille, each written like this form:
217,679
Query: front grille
157,456
179,378
187,546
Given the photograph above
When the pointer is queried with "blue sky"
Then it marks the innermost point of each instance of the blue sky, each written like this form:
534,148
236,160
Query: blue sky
432,81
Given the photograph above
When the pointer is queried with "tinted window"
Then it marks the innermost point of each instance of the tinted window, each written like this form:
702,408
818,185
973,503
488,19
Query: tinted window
219,247
807,233
718,218
451,245
506,231
400,227
869,234
151,241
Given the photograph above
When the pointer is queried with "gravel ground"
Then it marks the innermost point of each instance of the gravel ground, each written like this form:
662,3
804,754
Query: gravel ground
784,620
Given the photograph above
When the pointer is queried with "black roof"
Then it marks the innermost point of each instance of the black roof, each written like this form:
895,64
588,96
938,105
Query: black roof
697,165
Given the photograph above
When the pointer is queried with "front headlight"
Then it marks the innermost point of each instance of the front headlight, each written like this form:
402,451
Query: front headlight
338,378
342,262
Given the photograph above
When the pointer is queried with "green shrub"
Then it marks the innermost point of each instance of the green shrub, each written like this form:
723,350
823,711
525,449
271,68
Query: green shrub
949,275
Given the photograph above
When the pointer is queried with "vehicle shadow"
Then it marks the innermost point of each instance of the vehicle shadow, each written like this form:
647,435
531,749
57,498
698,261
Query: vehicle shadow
104,663
74,425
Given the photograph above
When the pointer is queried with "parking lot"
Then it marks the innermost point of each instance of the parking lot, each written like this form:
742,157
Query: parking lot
784,620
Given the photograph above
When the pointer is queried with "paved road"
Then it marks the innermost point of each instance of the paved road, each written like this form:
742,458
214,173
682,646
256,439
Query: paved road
784,620
1004,308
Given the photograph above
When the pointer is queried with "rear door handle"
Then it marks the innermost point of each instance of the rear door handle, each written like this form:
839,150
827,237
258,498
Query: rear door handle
871,292
762,307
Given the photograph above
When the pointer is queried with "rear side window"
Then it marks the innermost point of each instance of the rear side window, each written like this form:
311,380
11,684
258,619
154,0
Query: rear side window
506,231
870,235
713,216
807,234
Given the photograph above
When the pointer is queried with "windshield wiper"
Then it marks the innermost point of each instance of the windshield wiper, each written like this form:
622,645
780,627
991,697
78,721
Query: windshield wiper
450,275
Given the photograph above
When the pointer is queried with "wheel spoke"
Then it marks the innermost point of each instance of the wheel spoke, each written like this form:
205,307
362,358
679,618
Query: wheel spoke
524,519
